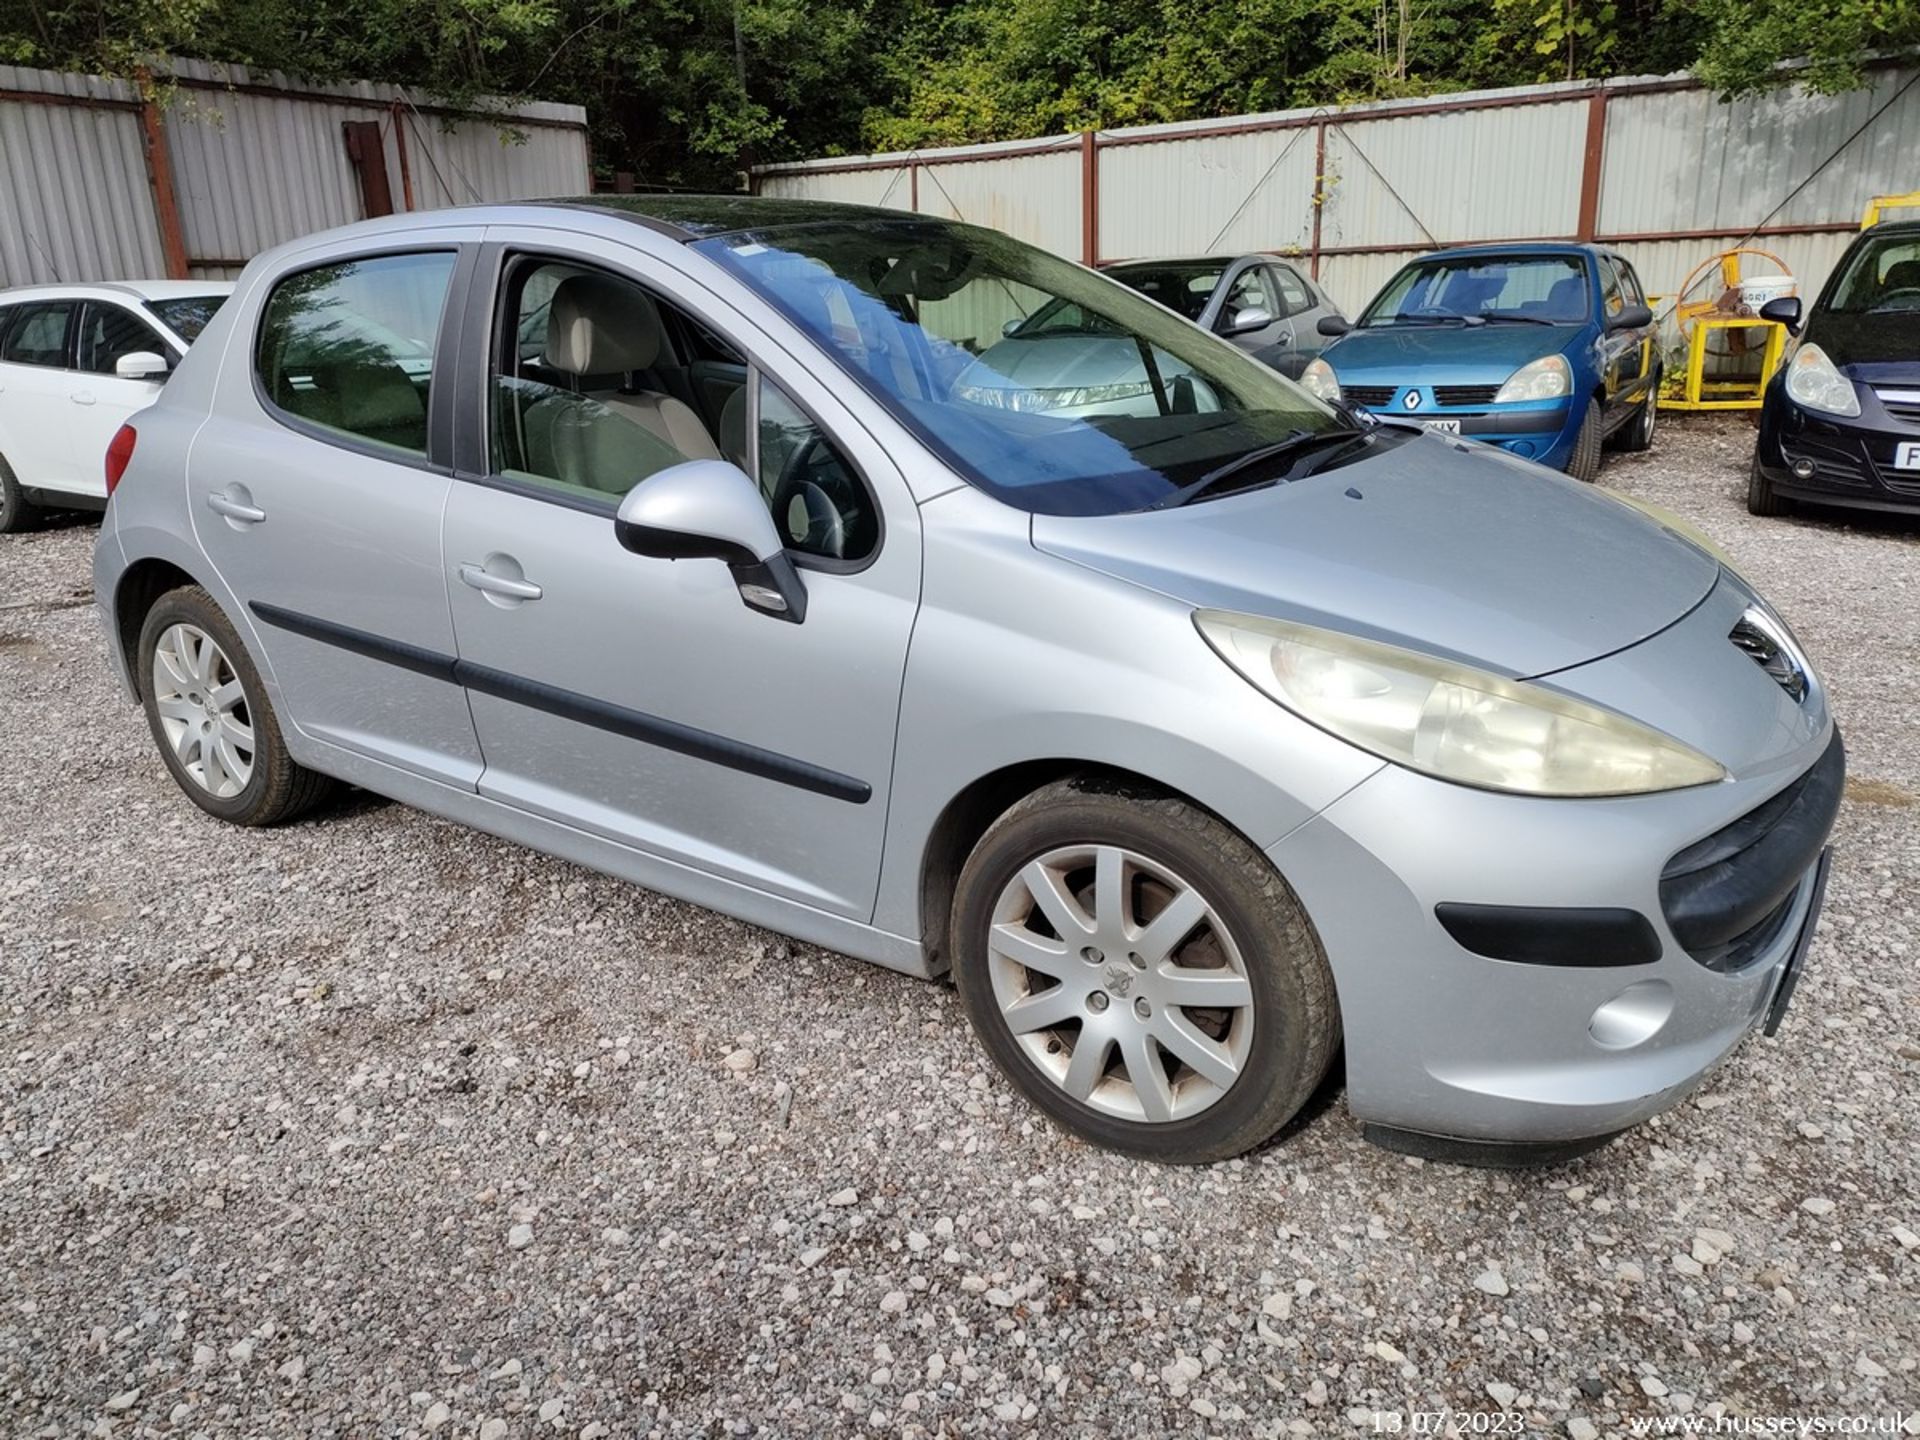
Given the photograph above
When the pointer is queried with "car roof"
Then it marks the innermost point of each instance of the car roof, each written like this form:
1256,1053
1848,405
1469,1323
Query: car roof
118,290
695,217
1147,260
1893,227
1521,247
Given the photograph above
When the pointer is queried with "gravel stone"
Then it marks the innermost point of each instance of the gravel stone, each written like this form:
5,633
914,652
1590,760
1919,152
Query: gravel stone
360,1035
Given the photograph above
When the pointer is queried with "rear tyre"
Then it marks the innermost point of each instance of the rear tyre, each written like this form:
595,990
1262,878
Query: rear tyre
1584,462
1141,973
1762,498
210,717
17,513
1638,436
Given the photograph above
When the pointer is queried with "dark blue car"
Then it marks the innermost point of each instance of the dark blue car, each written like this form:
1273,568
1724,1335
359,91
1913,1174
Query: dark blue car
1546,350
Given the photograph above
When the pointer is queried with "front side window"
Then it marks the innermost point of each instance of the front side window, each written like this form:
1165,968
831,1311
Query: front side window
1250,291
348,347
1471,289
1881,278
108,332
1114,413
1611,294
597,383
38,335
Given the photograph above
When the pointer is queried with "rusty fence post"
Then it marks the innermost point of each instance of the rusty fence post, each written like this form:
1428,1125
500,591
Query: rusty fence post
166,203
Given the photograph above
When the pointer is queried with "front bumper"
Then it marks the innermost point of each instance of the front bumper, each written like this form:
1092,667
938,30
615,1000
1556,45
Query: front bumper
1442,1041
1829,460
1540,430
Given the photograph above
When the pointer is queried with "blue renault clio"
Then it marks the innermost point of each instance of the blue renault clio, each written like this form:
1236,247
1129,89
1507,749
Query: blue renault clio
1546,350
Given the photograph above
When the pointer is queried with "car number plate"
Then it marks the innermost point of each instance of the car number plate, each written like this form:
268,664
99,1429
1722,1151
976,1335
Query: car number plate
1444,427
1906,456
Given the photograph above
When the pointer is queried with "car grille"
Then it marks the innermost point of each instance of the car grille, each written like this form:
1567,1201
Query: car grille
1756,638
1369,394
1901,404
1727,897
1465,394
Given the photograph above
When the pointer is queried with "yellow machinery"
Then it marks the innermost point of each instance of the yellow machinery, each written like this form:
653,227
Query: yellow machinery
1908,201
1726,318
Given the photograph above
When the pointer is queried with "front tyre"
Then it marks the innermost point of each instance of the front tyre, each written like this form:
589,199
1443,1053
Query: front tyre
1141,973
1762,498
209,714
1584,462
1638,435
17,513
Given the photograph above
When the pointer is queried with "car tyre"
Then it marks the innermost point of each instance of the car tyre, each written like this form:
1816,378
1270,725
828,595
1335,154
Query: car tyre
17,513
1241,933
1584,462
1762,498
211,718
1638,436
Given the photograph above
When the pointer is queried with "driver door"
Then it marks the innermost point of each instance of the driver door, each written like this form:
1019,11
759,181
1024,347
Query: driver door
639,699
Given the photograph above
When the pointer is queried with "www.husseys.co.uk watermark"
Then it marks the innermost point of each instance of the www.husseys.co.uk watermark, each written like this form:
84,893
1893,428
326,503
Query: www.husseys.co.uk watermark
1512,1422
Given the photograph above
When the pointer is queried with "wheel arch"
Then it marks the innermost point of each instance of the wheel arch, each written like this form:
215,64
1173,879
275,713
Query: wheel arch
139,588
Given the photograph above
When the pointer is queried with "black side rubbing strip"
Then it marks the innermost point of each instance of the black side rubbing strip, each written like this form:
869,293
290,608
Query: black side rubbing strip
570,705
1552,935
360,642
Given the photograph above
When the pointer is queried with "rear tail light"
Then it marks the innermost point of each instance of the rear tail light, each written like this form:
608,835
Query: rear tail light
119,452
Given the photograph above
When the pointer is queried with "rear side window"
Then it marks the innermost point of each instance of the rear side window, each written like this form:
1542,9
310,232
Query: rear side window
108,332
38,335
1293,290
349,347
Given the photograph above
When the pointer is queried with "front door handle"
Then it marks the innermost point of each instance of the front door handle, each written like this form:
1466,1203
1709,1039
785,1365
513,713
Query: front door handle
238,510
507,586
82,397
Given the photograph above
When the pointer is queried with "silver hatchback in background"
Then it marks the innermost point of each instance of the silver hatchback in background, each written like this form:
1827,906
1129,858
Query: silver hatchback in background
1196,740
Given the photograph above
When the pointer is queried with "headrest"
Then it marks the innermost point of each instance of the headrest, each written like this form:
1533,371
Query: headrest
597,325
1903,275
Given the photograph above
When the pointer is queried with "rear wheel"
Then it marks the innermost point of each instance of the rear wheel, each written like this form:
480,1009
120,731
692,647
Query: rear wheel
1584,462
1141,973
1762,498
209,714
17,513
1638,435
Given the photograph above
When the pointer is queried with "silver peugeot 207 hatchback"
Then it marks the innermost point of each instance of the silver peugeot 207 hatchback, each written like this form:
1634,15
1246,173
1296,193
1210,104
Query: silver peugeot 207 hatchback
1199,729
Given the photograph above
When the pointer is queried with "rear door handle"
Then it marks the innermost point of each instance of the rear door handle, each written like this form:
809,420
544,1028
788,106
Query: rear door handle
235,509
82,397
486,581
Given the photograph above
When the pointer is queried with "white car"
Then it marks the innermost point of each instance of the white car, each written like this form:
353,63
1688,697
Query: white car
75,362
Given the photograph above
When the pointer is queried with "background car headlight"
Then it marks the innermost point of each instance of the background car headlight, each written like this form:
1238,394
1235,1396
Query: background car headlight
1451,721
1815,383
1547,378
1319,380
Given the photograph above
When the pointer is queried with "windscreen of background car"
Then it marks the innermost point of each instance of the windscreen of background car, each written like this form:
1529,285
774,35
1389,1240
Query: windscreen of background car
1493,288
1883,278
1112,405
187,315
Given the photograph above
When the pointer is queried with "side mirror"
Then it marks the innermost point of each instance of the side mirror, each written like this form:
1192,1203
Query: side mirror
142,365
1630,317
1012,327
1784,311
1333,326
710,510
1247,319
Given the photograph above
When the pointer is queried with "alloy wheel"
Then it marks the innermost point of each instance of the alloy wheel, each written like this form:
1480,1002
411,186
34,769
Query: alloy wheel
1121,982
203,710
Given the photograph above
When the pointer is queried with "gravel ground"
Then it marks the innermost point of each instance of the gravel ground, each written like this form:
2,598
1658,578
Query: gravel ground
373,1126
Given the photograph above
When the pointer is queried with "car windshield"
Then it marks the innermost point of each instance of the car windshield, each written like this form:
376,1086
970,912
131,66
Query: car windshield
1883,277
1489,289
1111,405
186,315
1181,288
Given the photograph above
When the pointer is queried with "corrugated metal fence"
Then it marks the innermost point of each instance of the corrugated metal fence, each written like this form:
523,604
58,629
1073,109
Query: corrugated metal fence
1659,168
99,183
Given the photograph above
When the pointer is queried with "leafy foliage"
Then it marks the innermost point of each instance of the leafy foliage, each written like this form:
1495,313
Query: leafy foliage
685,92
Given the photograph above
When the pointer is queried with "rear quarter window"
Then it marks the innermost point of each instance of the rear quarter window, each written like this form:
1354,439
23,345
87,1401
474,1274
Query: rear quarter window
349,347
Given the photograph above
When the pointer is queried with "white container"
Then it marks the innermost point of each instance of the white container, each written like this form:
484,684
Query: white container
1757,292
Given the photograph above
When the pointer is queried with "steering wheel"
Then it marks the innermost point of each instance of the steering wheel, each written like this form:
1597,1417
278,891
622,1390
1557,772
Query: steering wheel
803,512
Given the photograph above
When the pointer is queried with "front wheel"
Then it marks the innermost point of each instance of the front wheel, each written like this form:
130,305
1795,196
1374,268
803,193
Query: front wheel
210,716
1762,498
1584,462
1141,973
17,513
1639,435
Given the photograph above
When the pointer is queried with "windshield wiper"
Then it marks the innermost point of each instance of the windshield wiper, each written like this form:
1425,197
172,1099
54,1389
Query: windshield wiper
1300,442
1423,320
1517,316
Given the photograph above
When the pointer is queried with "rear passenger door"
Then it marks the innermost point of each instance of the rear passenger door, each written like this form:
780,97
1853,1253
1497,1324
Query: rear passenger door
36,382
638,699
317,486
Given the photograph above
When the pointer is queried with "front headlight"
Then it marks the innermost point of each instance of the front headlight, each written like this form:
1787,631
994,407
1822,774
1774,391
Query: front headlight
1450,721
1319,380
1547,378
1815,383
